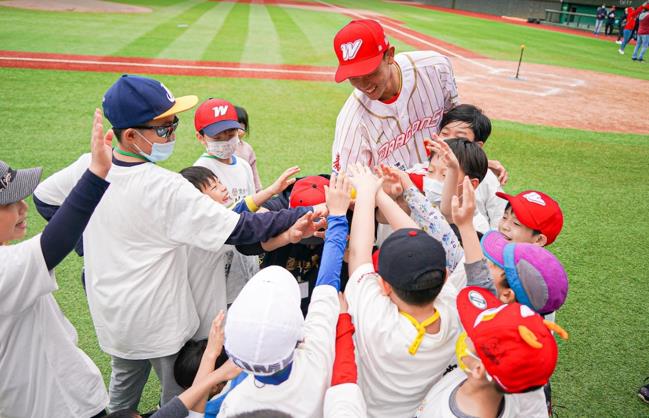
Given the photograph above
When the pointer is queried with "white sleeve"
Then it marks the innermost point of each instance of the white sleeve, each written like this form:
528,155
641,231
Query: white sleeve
531,404
23,276
54,189
351,142
344,401
194,414
192,218
489,205
367,305
320,326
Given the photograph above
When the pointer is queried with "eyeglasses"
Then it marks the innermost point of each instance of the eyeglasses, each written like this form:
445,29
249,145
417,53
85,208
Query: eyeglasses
163,131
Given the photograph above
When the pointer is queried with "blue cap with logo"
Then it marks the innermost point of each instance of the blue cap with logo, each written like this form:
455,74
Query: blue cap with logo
135,100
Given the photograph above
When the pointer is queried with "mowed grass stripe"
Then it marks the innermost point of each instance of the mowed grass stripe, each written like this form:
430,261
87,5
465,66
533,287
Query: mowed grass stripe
228,43
294,43
195,40
263,40
153,42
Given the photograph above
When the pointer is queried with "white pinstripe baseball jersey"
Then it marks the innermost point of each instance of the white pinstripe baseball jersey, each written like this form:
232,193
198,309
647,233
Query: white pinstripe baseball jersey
372,132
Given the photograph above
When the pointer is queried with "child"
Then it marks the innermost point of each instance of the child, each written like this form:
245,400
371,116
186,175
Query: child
290,358
468,121
244,149
405,317
531,216
210,272
505,350
217,130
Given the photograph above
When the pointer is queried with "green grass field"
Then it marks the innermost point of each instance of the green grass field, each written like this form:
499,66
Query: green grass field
600,179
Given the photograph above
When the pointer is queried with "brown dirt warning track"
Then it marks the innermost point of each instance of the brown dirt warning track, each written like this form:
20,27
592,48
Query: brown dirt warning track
544,94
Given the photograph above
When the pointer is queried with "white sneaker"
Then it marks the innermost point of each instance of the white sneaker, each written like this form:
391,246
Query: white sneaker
618,42
620,51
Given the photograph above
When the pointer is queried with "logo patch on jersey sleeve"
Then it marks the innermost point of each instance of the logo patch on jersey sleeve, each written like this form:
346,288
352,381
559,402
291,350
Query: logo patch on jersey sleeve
350,49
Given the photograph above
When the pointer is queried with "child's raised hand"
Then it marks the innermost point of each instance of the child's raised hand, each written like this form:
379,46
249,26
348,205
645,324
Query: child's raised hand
392,184
216,335
462,211
306,227
100,147
499,170
283,181
227,371
446,155
338,194
363,180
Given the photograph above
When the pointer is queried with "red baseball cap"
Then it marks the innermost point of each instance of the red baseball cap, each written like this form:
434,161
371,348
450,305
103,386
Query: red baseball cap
308,191
359,47
214,116
538,211
513,342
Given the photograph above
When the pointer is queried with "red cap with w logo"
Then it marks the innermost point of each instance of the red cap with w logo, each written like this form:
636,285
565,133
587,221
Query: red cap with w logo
360,47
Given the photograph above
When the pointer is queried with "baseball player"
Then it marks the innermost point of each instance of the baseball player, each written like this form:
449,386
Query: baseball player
397,102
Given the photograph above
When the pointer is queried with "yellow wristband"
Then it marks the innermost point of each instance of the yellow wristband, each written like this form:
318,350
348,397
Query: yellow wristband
252,206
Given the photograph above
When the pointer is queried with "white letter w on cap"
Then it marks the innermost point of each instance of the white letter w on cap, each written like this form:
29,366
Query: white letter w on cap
219,110
350,49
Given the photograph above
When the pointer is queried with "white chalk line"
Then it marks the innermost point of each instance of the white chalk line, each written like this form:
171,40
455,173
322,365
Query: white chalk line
168,66
491,70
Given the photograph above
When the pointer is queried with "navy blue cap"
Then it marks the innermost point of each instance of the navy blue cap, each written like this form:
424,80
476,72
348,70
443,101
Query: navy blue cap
406,255
133,101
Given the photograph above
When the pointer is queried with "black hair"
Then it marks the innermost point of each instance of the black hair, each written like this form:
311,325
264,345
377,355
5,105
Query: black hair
242,117
480,124
473,160
426,296
189,359
118,134
535,232
123,413
263,413
198,176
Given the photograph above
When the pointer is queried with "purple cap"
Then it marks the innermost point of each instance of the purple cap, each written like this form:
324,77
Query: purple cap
535,275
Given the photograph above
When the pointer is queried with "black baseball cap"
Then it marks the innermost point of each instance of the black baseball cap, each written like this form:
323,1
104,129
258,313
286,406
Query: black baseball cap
406,255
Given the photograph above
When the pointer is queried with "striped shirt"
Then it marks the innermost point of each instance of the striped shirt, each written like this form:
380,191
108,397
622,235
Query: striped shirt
372,132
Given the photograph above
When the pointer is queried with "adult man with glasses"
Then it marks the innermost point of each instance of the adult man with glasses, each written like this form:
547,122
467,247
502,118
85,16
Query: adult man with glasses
135,256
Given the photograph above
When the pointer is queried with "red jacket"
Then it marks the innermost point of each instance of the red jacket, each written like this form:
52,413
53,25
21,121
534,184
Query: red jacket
630,18
643,29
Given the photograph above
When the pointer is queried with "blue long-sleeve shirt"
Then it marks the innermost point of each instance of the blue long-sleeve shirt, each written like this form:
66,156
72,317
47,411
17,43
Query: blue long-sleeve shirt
334,249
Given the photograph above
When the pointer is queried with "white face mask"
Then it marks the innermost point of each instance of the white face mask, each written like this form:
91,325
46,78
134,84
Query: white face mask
433,190
223,149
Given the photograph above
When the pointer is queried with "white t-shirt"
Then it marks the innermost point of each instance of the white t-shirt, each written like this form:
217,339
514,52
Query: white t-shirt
135,257
344,401
302,394
209,278
440,401
372,132
490,206
237,177
239,180
393,381
42,371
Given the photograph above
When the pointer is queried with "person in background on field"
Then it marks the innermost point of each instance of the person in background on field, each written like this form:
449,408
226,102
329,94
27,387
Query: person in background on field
599,18
643,33
243,148
610,21
627,32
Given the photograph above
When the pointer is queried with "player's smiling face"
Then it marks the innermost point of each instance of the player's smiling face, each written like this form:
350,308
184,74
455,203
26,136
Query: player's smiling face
13,221
375,85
